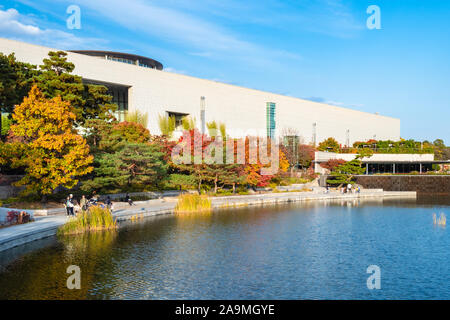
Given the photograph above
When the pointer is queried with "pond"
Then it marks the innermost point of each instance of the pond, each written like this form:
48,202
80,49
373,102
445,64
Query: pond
315,250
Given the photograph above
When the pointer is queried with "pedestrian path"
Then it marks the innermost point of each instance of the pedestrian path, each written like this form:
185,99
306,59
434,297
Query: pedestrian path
46,226
19,234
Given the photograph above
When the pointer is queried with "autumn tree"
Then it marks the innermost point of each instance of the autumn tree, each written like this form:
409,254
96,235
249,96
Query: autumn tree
109,136
254,169
306,155
131,132
332,164
192,162
52,153
330,145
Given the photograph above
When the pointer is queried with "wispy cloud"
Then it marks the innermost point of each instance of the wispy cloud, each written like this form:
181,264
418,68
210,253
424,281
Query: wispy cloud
194,34
16,26
335,18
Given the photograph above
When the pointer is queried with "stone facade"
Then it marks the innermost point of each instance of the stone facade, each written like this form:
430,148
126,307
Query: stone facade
419,183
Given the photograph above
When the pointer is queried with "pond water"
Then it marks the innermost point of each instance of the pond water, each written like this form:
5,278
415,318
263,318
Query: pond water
317,250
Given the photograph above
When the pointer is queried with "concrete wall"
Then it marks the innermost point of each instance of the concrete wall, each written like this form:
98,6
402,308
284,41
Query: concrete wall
156,92
422,183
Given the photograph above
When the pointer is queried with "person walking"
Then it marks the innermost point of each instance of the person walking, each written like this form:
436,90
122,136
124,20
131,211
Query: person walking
108,202
83,203
128,199
349,188
70,205
66,206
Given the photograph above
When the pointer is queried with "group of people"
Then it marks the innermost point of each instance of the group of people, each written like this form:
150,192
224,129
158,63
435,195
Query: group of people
350,189
71,204
84,203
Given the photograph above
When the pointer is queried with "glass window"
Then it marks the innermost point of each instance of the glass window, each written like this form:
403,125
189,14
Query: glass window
270,115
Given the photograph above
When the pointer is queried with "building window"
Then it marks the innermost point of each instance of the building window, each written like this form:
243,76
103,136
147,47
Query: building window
270,115
178,118
119,94
123,60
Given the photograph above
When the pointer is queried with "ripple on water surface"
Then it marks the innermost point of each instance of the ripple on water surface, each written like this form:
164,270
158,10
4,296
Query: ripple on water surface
317,250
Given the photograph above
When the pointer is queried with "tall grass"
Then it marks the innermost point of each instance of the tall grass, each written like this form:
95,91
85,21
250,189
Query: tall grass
188,203
95,219
166,125
137,117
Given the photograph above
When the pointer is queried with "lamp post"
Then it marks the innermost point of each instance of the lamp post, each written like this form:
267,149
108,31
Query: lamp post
347,141
314,137
202,114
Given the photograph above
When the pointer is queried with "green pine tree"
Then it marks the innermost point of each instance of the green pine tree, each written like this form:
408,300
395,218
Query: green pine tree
88,101
15,83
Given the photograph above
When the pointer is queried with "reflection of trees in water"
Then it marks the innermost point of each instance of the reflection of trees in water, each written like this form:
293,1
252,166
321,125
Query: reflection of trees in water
42,274
140,248
142,256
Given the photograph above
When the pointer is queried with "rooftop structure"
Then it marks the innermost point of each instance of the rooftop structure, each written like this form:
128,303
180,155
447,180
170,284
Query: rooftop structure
123,57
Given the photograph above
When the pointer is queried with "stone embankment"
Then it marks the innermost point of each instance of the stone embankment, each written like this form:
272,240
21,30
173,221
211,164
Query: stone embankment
47,226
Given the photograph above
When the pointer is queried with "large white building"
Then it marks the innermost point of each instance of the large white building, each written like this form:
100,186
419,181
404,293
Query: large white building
140,83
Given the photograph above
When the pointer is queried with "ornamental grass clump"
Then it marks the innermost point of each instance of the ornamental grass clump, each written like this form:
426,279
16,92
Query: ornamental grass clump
188,203
95,219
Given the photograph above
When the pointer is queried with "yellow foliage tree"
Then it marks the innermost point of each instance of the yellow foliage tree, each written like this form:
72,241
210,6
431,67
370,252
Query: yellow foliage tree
52,153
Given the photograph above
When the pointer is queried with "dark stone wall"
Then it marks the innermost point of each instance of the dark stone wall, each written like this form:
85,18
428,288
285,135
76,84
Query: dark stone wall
422,183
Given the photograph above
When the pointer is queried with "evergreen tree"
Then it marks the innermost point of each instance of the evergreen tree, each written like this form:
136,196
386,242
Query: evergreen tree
345,173
88,101
136,166
15,83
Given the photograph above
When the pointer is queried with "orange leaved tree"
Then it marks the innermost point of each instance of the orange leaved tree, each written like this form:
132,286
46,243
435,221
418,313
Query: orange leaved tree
52,153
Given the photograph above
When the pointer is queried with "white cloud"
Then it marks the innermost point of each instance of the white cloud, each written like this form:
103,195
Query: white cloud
9,24
198,36
13,25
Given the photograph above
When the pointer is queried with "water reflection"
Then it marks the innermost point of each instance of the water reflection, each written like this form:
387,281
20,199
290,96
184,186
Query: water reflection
314,250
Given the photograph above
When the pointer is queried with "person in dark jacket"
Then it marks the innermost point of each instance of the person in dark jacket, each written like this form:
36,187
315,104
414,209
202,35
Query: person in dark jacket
108,202
128,199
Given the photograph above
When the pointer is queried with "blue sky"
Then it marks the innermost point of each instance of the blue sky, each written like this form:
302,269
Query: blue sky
315,49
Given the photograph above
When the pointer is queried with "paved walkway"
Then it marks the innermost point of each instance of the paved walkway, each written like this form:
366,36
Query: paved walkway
42,227
47,226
